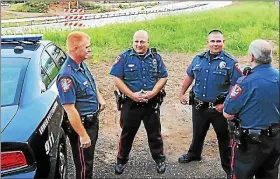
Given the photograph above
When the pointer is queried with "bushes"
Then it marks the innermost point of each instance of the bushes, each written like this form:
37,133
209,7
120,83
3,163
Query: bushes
39,7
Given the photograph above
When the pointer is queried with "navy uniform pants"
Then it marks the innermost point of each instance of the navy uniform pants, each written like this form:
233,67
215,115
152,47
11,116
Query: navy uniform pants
84,157
258,159
130,120
202,118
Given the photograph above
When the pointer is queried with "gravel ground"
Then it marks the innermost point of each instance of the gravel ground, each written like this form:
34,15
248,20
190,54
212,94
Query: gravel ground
176,130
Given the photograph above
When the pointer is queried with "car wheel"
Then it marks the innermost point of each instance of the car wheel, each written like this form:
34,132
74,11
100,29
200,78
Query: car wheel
62,162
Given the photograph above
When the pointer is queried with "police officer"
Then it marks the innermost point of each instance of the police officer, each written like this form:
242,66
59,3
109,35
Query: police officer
255,100
140,74
81,100
214,71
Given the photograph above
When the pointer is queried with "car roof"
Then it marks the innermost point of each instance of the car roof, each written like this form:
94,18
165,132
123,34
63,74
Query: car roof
22,45
31,50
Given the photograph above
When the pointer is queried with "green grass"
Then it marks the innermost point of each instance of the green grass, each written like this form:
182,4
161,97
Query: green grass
241,23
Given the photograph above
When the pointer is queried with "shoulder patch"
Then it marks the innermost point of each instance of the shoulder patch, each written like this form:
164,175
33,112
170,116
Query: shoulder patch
117,60
65,84
235,91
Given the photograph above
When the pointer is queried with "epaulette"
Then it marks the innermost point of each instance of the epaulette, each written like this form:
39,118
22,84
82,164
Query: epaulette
242,78
230,56
202,54
67,71
127,50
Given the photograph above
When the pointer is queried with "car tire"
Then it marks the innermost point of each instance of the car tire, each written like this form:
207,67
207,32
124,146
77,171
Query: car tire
62,157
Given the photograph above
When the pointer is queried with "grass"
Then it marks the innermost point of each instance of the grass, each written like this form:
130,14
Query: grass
241,23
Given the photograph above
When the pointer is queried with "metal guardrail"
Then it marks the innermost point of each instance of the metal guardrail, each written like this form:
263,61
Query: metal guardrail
61,19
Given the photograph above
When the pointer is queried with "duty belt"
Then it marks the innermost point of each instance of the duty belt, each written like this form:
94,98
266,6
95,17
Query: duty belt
254,134
151,103
90,119
202,104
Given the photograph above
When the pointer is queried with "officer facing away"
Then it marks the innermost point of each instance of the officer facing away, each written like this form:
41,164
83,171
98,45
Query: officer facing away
82,101
140,74
213,71
255,100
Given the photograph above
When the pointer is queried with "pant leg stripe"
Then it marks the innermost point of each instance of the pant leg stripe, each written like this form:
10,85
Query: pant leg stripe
81,161
120,144
232,157
84,165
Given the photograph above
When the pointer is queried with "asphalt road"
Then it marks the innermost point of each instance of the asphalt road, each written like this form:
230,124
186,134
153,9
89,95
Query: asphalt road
121,19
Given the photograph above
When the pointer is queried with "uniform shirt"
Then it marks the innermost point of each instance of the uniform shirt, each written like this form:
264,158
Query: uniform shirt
139,73
213,77
255,98
76,85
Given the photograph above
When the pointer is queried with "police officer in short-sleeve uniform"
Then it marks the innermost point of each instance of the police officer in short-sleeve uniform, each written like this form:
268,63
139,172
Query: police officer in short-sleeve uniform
255,101
81,100
140,74
214,71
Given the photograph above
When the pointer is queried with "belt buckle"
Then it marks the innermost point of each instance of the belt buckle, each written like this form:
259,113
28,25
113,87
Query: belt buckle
90,116
211,106
198,105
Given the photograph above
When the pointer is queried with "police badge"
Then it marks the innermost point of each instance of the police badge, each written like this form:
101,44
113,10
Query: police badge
222,65
155,62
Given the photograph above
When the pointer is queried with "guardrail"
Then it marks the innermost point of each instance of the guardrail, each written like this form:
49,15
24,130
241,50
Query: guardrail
62,19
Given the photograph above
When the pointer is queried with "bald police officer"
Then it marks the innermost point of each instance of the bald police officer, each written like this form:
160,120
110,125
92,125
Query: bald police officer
213,71
140,74
82,101
255,101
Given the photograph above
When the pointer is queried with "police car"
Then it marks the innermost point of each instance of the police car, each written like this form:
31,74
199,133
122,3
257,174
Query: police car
33,142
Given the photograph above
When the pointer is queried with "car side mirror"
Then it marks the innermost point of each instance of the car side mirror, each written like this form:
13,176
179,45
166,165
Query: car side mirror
42,86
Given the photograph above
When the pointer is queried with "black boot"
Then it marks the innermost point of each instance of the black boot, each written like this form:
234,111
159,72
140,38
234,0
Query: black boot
185,158
161,167
119,168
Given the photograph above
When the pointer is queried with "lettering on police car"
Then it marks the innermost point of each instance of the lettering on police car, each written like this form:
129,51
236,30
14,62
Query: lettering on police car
48,118
65,84
222,65
49,143
235,91
117,60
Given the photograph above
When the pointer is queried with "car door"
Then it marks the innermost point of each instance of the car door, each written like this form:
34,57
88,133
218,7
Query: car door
51,60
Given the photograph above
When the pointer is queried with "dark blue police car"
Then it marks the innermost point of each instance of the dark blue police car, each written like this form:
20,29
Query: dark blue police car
33,142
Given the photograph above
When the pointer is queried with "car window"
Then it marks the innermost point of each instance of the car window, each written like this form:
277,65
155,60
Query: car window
49,68
57,54
45,78
12,77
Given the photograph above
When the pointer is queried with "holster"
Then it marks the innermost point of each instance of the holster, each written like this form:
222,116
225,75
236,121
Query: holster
191,97
120,97
89,120
160,96
235,131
